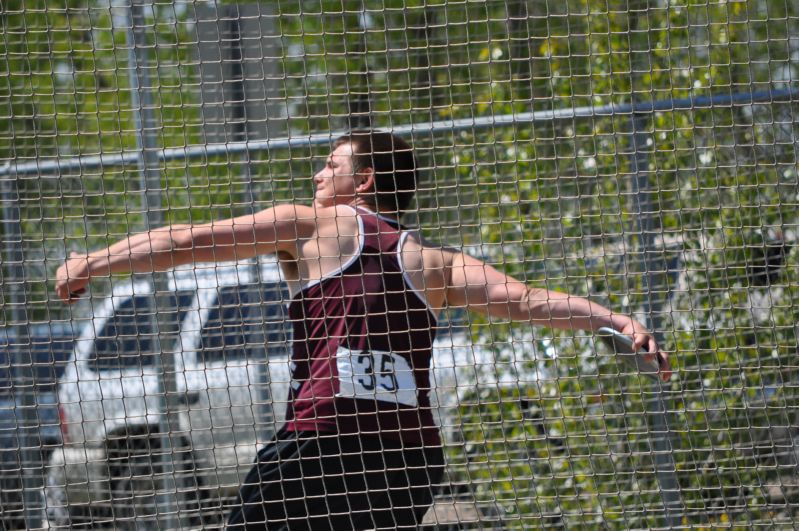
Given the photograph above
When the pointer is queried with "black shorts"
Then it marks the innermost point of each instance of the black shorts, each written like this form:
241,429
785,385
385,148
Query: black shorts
319,481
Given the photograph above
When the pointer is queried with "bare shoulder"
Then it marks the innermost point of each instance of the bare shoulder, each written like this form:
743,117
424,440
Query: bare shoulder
427,264
305,221
432,256
337,221
287,212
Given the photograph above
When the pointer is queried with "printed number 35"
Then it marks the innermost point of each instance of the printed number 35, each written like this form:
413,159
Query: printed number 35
384,377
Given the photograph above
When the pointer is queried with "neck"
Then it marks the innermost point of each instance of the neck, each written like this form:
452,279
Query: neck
359,202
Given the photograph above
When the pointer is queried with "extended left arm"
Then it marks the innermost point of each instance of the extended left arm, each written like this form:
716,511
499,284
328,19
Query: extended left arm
480,287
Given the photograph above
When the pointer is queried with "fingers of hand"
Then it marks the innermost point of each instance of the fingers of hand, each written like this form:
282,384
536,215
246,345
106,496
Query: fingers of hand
647,343
75,295
665,366
68,292
644,342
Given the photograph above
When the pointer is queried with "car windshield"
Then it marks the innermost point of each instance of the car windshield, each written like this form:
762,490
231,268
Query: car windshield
128,339
246,321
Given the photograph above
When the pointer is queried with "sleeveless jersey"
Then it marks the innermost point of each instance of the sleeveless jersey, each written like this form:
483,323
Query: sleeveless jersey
362,346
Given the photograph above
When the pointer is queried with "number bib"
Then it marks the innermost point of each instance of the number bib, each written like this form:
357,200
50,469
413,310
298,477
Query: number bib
376,375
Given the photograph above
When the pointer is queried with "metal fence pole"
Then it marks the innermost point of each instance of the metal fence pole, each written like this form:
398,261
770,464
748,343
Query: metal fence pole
23,391
659,434
150,174
415,131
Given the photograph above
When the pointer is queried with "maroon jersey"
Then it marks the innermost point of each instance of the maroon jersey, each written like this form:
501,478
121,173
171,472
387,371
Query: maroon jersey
363,340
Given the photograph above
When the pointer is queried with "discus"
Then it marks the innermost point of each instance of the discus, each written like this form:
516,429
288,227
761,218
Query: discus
622,345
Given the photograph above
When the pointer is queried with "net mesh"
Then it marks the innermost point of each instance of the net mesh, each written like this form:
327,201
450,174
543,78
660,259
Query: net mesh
641,154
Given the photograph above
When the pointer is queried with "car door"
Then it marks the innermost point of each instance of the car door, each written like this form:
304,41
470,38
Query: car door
116,382
241,326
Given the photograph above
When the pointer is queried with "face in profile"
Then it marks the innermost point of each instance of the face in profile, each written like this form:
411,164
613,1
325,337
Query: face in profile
335,183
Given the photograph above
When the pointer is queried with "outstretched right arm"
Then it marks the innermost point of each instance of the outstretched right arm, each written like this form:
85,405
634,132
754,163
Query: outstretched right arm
269,231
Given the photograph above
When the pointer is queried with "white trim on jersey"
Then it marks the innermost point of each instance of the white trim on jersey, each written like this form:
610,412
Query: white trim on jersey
416,291
335,272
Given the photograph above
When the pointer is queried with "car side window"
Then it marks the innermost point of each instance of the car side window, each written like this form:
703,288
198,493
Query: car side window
247,321
128,338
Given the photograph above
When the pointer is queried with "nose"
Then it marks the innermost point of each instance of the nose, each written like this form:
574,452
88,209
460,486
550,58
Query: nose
322,174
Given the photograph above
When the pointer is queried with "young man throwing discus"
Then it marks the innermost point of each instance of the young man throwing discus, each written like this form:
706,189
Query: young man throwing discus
359,449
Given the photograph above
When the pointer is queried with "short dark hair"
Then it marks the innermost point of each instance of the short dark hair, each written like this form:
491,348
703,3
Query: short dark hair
393,162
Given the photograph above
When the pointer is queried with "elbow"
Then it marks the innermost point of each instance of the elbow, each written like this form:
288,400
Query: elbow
188,244
181,238
171,247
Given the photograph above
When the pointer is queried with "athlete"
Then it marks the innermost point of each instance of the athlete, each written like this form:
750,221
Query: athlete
359,449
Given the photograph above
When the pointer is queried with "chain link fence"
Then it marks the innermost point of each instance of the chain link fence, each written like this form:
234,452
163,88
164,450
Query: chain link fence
640,154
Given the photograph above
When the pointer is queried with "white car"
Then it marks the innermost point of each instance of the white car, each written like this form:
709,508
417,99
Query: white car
222,335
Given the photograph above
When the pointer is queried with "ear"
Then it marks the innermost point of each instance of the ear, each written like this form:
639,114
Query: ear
367,177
